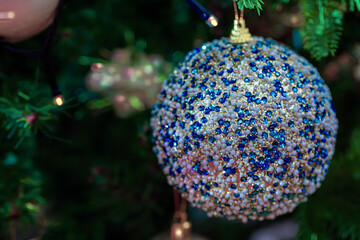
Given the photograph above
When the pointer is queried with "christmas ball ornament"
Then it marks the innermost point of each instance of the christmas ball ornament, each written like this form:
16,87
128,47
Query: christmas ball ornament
246,130
21,19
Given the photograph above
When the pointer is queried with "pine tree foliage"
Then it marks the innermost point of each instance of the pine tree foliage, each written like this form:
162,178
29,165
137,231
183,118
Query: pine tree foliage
20,118
334,205
24,112
250,4
323,26
353,4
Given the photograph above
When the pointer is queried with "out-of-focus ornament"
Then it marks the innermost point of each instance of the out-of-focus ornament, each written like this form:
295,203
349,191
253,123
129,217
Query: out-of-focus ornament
245,130
181,228
21,19
331,71
165,236
357,72
130,81
287,229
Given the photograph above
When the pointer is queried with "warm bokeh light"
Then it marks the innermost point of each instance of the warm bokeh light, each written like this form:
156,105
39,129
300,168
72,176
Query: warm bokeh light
178,232
212,21
7,15
186,225
97,67
59,100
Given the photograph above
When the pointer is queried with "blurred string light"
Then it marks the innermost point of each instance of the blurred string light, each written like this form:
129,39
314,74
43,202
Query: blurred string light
209,18
58,100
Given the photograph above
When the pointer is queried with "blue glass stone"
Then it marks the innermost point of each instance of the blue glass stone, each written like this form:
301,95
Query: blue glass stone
253,131
241,147
291,124
269,113
225,130
194,70
203,87
230,70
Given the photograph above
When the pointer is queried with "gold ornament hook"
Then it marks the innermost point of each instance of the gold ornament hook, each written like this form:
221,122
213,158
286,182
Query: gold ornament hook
240,33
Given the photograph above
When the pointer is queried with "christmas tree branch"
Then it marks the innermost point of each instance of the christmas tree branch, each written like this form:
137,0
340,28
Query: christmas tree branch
323,27
250,4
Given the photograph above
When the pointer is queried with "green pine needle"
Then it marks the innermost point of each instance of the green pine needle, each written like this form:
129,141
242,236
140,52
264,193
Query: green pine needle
250,4
323,26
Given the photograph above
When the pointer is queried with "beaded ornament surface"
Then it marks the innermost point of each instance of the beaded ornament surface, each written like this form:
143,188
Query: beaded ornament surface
245,131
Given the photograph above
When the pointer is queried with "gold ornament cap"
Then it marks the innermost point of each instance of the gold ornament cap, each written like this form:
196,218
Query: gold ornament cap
240,33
